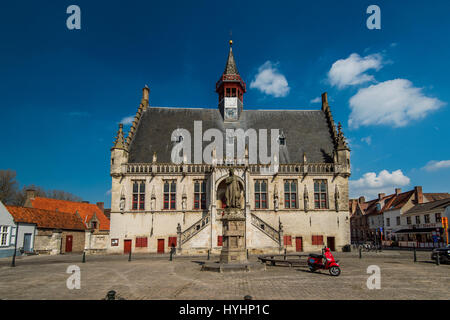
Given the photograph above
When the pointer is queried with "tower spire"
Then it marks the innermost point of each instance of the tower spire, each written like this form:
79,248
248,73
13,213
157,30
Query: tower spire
230,87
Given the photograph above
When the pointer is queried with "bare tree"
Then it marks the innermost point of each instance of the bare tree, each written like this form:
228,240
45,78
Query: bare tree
8,186
21,195
12,195
62,195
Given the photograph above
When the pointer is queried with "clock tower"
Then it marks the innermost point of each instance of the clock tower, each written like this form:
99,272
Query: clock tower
231,89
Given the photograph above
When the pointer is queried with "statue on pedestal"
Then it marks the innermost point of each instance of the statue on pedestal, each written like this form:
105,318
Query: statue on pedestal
233,191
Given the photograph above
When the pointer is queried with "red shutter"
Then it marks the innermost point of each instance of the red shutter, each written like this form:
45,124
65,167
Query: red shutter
172,241
219,241
141,242
317,240
287,240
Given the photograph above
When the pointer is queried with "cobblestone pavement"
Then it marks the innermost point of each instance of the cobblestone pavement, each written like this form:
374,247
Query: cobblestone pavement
155,277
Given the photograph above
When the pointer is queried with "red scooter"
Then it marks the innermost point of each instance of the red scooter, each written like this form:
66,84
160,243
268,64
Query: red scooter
315,262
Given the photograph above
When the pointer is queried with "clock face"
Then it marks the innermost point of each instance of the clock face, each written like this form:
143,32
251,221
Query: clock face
231,113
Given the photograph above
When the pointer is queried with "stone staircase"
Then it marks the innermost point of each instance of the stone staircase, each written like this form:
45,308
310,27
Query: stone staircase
266,228
190,232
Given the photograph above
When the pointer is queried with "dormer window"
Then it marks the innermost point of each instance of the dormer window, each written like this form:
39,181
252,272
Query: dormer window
94,224
378,207
282,139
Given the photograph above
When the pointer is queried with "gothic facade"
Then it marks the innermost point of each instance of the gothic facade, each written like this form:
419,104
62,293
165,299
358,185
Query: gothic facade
297,201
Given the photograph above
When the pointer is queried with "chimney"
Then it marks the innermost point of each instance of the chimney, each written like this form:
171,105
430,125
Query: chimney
398,191
101,205
145,93
30,195
381,196
84,201
419,194
362,199
324,101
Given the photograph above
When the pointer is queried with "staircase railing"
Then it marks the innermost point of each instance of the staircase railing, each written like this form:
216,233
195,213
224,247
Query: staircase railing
194,229
266,228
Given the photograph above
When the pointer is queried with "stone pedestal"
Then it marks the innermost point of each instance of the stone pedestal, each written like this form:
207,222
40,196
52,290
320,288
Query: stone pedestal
233,246
233,257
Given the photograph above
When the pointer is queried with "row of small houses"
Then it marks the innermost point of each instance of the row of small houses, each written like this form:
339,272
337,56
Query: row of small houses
50,226
401,219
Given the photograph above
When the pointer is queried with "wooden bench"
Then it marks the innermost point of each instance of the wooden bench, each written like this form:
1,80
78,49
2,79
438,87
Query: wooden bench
283,259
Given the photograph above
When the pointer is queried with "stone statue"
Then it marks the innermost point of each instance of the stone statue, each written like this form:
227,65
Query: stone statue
233,191
122,204
336,198
306,199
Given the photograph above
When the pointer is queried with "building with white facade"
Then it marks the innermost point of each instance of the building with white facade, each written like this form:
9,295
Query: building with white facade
297,200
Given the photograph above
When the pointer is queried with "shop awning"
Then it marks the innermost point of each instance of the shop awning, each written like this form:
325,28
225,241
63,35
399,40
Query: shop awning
421,230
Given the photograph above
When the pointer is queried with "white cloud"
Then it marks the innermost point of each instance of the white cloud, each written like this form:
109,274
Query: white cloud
371,184
436,165
127,120
367,140
393,102
270,81
316,100
351,71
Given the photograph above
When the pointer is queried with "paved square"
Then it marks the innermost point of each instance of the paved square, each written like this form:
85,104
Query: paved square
155,277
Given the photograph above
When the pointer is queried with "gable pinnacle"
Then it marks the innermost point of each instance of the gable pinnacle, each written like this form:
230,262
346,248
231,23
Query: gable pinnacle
341,143
119,143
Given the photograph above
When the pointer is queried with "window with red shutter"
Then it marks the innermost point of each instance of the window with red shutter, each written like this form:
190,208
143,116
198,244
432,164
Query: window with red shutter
219,241
317,240
141,242
172,242
287,240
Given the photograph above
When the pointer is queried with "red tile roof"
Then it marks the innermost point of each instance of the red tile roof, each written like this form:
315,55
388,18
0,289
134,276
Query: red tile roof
400,200
46,218
85,210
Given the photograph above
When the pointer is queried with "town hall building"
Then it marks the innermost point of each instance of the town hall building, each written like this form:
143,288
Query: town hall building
298,201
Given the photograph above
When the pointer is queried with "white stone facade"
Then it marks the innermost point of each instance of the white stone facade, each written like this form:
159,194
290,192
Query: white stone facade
156,223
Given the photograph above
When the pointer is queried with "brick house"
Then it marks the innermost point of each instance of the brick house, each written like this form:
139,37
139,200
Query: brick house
92,217
384,217
56,232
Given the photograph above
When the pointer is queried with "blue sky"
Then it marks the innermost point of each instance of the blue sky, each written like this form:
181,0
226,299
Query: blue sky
63,92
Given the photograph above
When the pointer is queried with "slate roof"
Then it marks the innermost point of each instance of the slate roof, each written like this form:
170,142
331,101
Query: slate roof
46,218
305,131
429,206
85,210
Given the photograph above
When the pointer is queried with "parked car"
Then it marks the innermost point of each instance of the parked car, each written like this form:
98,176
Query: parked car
444,254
